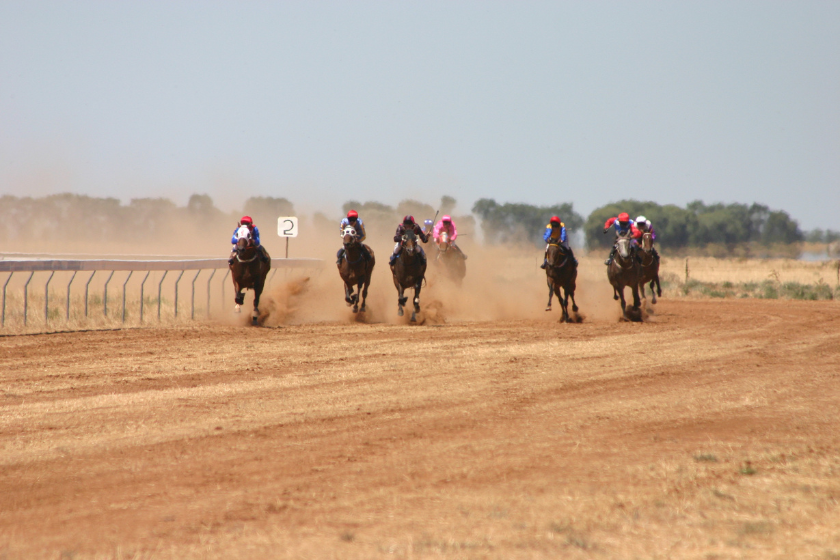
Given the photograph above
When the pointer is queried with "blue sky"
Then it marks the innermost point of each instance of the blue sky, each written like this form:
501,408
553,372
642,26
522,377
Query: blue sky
321,102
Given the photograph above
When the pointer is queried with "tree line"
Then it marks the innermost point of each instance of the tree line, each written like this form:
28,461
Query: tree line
71,216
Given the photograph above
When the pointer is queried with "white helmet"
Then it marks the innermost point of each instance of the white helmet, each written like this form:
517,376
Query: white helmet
641,219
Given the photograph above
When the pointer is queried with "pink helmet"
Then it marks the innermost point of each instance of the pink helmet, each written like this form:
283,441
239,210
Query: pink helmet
446,219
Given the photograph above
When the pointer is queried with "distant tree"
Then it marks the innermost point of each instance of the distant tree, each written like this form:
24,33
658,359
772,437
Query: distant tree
419,210
521,223
447,204
201,206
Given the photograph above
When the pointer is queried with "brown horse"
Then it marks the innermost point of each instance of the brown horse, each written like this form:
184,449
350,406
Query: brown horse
355,270
451,259
561,272
248,272
624,270
650,268
408,270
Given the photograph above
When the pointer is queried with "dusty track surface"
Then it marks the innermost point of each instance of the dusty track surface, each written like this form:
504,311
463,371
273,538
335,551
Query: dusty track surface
712,432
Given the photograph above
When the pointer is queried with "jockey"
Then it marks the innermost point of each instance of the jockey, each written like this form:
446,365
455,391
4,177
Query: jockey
255,237
408,223
623,225
356,223
555,234
447,225
645,226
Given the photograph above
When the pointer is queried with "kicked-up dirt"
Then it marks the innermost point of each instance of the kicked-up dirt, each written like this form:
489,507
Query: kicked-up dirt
711,431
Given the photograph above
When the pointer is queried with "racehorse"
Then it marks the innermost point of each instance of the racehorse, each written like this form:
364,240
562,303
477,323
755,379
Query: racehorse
247,271
561,272
408,270
355,270
451,259
650,268
624,270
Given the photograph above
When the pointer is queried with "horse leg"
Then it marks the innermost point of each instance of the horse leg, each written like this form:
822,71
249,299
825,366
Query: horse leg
348,294
401,299
357,295
364,290
417,287
636,301
550,295
258,288
623,303
652,291
564,304
658,288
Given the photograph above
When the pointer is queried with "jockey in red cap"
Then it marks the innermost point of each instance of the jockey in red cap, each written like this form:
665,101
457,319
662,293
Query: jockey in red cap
353,220
555,234
623,226
255,236
408,223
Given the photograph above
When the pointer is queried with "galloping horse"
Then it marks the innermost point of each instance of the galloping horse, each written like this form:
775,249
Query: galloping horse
452,260
624,270
355,270
561,272
650,268
409,270
247,271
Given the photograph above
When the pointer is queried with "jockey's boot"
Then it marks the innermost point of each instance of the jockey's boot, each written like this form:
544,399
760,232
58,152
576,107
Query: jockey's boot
339,256
262,254
544,264
610,258
232,257
393,259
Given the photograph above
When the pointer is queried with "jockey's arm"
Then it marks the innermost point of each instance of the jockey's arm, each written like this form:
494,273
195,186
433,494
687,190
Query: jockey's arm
398,235
454,235
256,235
547,234
361,235
563,234
609,222
635,232
233,239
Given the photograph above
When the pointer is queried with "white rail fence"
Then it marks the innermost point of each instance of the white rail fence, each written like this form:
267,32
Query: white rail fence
130,266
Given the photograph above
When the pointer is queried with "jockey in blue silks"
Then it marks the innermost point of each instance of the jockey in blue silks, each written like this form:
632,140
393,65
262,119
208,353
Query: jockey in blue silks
555,234
356,223
255,237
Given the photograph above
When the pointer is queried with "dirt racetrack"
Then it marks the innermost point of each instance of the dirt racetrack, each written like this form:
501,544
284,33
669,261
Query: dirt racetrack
711,432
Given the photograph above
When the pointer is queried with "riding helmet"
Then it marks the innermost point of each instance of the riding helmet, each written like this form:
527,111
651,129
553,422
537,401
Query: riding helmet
554,220
624,217
408,220
246,220
446,219
641,219
352,215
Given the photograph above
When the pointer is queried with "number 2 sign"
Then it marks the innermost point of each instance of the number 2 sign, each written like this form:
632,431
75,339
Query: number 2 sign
287,226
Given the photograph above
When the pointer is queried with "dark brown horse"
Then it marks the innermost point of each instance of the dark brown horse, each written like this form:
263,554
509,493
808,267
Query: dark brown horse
248,271
650,268
451,259
624,270
409,269
355,270
561,272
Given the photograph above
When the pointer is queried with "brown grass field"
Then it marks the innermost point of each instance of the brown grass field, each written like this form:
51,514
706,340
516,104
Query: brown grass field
709,431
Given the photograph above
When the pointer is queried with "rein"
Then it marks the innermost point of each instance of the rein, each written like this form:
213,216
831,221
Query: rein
252,259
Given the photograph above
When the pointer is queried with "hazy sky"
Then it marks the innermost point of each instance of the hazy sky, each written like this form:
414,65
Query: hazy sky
321,102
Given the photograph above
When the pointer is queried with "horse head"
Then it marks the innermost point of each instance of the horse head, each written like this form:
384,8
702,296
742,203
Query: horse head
243,238
647,242
444,241
348,234
409,242
623,244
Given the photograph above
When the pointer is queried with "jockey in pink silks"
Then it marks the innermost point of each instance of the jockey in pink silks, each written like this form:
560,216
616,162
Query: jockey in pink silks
447,225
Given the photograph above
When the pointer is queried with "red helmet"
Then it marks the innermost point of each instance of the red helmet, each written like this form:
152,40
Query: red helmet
554,220
246,220
352,214
408,220
624,217
446,219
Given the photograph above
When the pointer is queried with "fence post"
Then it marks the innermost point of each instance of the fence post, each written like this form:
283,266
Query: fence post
26,297
68,293
130,272
47,298
4,298
176,292
212,273
192,299
86,292
143,283
223,287
105,298
159,287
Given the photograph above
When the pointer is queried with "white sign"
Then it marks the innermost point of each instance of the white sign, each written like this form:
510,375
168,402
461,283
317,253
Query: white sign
287,226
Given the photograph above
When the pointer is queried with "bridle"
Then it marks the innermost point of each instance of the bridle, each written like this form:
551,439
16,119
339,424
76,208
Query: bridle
565,260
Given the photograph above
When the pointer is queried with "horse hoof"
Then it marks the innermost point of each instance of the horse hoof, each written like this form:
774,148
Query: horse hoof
400,312
413,317
615,298
575,308
548,309
237,309
355,309
255,321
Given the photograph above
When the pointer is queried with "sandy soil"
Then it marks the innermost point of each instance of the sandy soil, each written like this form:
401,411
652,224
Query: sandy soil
709,432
